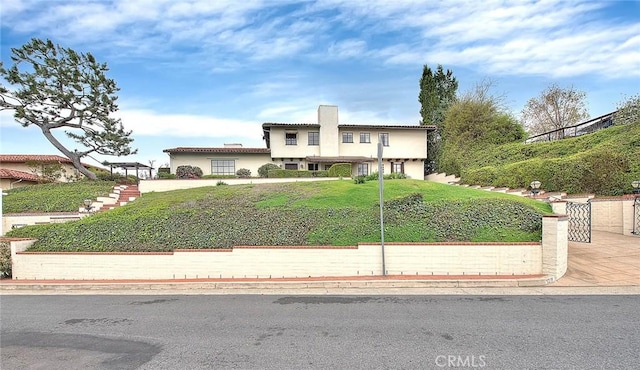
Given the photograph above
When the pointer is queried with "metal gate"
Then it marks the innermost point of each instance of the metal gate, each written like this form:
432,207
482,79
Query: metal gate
636,216
579,222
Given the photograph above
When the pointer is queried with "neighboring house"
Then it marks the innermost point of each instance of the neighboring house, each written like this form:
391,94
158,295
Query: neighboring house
10,179
26,169
317,146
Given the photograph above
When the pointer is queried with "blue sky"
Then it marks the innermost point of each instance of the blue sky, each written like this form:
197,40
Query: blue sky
209,72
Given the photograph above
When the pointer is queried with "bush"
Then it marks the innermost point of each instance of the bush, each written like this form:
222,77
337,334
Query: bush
243,173
5,260
340,170
164,175
219,183
263,171
359,180
280,173
395,176
188,172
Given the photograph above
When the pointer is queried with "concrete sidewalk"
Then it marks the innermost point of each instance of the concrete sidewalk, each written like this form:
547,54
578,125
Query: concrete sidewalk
608,265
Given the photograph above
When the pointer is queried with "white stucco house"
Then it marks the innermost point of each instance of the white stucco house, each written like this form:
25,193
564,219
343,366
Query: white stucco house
317,146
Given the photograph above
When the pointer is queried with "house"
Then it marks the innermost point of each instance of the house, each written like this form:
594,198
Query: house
26,169
317,146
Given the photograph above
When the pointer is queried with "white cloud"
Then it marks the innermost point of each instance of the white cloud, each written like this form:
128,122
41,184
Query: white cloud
149,123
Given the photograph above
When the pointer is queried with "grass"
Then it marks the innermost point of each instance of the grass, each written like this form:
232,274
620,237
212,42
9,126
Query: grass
53,197
309,213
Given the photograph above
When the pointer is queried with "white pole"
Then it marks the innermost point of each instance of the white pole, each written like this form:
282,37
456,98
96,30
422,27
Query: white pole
2,193
381,187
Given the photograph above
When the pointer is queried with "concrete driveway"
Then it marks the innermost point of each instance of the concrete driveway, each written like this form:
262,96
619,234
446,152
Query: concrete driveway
609,260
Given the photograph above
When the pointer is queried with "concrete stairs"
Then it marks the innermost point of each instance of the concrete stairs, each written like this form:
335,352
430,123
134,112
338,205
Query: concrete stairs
120,196
551,196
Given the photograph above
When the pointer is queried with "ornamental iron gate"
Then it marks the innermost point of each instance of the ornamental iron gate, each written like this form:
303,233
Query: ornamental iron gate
636,218
579,222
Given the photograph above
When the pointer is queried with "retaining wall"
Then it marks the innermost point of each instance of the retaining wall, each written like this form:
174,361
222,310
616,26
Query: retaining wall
612,214
548,258
147,186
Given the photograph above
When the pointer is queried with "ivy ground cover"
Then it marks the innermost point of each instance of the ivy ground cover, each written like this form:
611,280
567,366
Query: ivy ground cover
310,213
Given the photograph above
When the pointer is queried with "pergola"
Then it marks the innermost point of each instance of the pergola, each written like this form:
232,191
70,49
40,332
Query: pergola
126,166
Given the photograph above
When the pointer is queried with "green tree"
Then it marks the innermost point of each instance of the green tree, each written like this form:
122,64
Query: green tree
437,93
628,111
475,119
553,109
54,87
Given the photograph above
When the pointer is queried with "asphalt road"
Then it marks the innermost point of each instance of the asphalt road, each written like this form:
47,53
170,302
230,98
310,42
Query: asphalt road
305,332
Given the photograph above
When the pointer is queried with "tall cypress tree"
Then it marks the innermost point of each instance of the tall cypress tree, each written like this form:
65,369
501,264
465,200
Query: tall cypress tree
437,92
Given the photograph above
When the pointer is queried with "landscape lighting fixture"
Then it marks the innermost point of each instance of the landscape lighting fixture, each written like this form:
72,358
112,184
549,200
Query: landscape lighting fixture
535,187
636,186
87,205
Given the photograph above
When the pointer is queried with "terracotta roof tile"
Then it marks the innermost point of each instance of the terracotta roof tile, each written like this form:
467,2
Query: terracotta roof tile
18,175
33,157
218,150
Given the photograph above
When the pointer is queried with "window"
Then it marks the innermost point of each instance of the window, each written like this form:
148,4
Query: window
314,138
347,137
363,169
397,167
290,166
223,167
326,167
291,139
365,137
312,166
384,139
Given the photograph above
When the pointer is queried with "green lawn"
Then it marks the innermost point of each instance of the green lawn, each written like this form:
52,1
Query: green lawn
304,213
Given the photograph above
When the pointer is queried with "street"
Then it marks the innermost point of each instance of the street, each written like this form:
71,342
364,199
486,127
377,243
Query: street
309,332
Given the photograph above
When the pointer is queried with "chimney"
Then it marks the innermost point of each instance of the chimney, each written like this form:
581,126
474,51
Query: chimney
328,114
328,121
233,145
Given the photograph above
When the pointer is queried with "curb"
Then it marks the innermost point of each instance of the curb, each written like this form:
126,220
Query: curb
257,286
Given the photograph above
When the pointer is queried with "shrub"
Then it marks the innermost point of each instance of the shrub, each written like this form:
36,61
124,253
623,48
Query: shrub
165,175
188,172
219,183
395,176
359,180
5,260
263,171
340,170
243,173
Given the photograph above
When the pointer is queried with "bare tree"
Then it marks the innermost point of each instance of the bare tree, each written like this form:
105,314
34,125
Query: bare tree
554,109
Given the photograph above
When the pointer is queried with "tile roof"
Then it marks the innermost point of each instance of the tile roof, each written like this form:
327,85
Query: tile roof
370,126
280,124
33,157
218,150
401,127
18,175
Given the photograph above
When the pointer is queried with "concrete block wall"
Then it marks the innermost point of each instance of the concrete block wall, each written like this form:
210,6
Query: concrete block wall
14,220
613,214
548,258
147,186
555,245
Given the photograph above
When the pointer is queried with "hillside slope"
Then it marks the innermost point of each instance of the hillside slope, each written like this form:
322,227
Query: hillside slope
309,213
605,163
